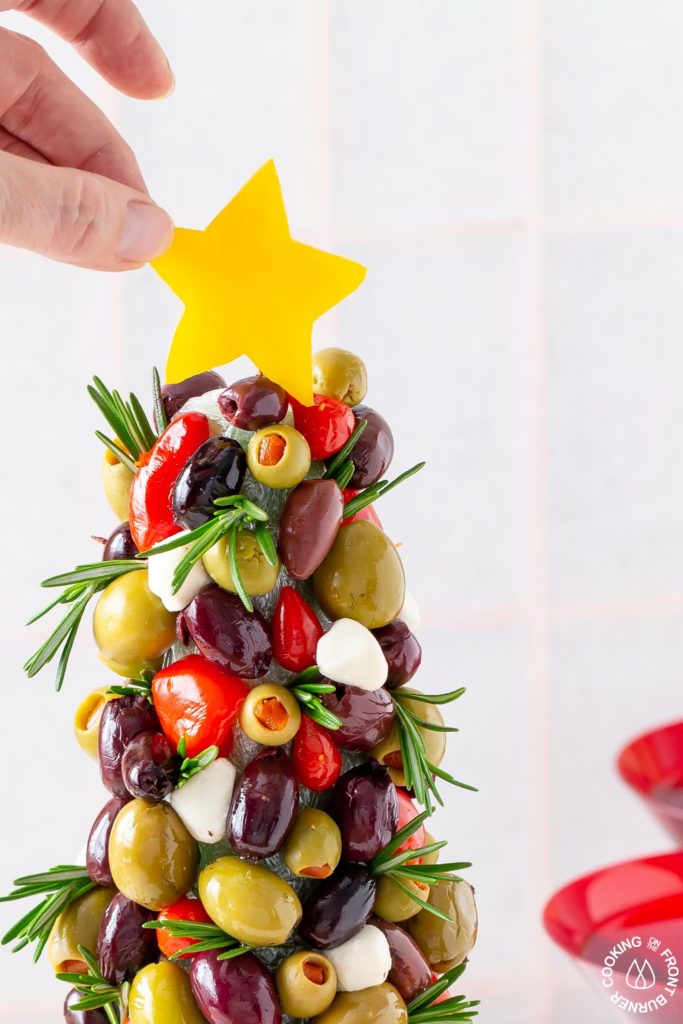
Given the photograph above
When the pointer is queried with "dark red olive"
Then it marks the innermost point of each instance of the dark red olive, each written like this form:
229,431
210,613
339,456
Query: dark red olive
264,804
366,717
338,908
72,1016
174,396
238,991
309,525
97,850
374,449
120,545
365,806
253,402
122,720
402,651
216,470
410,972
150,766
226,633
124,946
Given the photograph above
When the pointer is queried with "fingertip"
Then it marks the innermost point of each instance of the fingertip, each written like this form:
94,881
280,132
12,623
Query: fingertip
147,233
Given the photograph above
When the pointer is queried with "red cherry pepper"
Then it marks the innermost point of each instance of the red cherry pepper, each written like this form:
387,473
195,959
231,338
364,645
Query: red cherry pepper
367,514
407,811
327,424
317,759
295,631
197,699
184,910
151,496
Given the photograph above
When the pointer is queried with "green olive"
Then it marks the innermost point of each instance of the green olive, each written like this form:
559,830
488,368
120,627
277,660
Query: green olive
388,752
249,902
430,858
340,374
117,482
153,858
306,983
87,720
270,715
132,628
380,1004
445,944
162,992
313,847
258,575
79,925
392,904
362,578
279,456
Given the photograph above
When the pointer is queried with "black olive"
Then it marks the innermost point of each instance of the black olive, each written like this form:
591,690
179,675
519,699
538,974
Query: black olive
216,470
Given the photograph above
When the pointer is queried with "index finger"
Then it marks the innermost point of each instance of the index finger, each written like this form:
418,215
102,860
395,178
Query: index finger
112,35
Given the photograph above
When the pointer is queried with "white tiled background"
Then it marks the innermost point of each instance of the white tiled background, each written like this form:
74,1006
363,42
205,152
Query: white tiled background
510,170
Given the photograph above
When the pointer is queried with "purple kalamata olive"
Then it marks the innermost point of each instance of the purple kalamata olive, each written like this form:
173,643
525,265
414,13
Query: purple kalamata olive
216,470
402,651
239,991
226,633
309,525
374,449
264,804
174,396
338,908
122,720
150,766
253,403
410,972
97,850
124,946
365,806
366,717
120,545
72,1016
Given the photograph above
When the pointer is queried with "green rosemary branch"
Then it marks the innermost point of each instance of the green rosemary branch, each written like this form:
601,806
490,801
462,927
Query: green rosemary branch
338,469
308,688
96,992
192,766
205,936
425,1010
128,420
61,886
378,490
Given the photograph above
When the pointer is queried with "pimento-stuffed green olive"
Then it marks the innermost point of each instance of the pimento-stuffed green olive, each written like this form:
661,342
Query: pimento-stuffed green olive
306,983
131,626
313,847
270,715
258,575
340,374
78,925
362,578
87,720
249,902
162,992
388,752
279,456
381,1004
152,856
117,482
393,904
445,944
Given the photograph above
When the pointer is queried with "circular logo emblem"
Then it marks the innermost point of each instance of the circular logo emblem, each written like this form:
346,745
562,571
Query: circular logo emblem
641,976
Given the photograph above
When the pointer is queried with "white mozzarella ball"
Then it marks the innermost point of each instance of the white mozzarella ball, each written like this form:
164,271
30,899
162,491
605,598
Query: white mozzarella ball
410,613
348,653
203,802
363,961
160,570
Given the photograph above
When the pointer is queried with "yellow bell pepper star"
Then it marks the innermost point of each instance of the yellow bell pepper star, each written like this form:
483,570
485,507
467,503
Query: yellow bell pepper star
250,289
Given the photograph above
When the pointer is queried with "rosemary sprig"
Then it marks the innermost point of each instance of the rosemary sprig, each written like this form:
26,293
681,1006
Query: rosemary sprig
128,420
378,490
207,936
191,766
61,886
419,771
425,1010
160,417
338,468
308,688
141,687
80,586
97,993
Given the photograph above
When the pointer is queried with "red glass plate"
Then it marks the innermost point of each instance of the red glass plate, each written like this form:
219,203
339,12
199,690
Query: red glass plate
624,927
652,765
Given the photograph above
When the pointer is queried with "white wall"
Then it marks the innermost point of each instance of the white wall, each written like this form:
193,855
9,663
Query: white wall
510,170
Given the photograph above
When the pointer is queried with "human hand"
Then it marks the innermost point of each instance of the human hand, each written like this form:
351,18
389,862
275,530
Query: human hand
70,187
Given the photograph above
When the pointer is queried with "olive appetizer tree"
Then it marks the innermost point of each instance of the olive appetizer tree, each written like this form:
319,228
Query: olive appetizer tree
264,855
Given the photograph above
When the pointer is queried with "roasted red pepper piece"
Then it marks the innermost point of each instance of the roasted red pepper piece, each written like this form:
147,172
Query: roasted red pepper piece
151,496
407,811
316,757
184,910
198,700
327,424
295,631
368,513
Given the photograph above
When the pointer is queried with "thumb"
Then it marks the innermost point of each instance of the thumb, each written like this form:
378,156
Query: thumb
77,217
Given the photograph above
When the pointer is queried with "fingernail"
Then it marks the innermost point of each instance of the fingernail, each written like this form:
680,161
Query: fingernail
147,233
